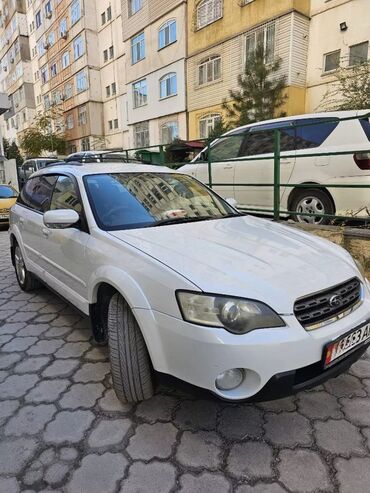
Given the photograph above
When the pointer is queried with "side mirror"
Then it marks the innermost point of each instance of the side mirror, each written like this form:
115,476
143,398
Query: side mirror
61,218
231,201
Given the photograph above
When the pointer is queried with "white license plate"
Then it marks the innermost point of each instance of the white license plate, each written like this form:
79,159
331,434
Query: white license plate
355,338
4,216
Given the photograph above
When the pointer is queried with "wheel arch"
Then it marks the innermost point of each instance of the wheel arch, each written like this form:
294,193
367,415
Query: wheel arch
293,193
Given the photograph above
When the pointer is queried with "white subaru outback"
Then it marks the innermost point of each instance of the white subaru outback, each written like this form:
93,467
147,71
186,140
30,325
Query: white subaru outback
177,281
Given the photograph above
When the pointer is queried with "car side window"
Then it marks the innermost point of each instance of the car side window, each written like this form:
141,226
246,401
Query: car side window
65,195
314,132
29,169
262,141
227,147
36,193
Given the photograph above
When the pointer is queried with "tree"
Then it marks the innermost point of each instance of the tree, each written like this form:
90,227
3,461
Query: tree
41,137
261,91
219,129
351,89
11,151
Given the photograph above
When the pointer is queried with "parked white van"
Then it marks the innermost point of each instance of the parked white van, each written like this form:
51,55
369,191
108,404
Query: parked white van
319,133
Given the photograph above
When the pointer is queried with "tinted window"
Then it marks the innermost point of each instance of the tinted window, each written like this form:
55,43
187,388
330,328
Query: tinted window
36,193
65,195
227,147
7,192
365,124
259,141
42,163
314,132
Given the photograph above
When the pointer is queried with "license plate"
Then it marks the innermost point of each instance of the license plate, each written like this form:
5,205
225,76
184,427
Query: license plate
4,216
347,343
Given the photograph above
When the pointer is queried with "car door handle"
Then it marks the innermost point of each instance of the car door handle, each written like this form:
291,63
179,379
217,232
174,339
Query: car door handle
230,166
45,232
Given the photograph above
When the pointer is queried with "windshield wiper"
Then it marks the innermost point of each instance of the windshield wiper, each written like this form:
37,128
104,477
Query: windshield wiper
178,220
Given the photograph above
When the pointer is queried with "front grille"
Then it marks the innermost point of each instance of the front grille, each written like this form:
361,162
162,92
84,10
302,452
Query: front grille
326,306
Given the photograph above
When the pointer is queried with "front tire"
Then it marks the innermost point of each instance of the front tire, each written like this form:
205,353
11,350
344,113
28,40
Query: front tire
312,200
129,358
26,280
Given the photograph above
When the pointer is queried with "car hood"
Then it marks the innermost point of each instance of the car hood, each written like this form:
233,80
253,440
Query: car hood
247,257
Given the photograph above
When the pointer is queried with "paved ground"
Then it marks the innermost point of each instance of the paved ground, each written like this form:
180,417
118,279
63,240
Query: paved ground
62,428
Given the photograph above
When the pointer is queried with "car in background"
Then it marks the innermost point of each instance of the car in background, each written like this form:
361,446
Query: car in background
30,166
97,157
8,197
300,135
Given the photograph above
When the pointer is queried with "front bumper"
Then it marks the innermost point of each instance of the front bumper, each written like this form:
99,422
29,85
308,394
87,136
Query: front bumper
197,355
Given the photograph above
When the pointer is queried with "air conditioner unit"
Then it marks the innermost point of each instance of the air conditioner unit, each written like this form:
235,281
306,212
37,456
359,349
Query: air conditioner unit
8,41
64,35
5,69
16,105
63,97
46,45
49,14
11,60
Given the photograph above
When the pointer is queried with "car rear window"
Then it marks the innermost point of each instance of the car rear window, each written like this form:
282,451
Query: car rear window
365,124
312,132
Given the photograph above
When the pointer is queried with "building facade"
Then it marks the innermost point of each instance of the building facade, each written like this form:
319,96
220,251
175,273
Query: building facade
339,36
220,36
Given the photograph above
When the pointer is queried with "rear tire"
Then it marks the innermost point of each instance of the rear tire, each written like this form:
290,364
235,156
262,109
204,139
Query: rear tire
312,200
129,358
26,280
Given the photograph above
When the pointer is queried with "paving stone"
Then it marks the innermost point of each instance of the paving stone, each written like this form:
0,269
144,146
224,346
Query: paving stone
68,454
52,308
33,330
91,372
158,408
45,347
201,449
361,368
18,344
151,441
82,395
7,360
47,457
7,314
31,365
72,350
98,473
109,432
5,338
11,328
193,415
33,476
319,405
65,320
17,385
97,354
56,473
205,482
338,437
3,375
44,317
366,433
279,405
110,403
9,485
357,410
15,305
7,409
68,426
47,391
30,420
345,385
241,422
20,317
149,478
250,460
57,332
80,335
288,429
14,454
61,368
303,471
260,488
32,307
353,475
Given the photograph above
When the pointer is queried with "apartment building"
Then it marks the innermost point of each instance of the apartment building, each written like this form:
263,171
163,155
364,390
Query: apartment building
15,67
339,37
221,33
155,36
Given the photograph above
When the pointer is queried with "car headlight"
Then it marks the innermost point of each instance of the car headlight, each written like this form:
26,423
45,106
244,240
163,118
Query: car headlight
237,315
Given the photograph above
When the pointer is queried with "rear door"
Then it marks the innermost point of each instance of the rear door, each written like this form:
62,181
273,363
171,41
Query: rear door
259,144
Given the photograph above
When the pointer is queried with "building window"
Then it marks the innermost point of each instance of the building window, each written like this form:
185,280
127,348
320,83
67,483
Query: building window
63,28
65,59
82,115
209,70
85,144
107,91
51,38
135,6
44,74
209,11
168,85
109,13
53,69
115,123
207,124
114,89
105,55
78,47
47,102
110,124
68,91
111,52
81,81
262,36
331,61
358,53
167,34
75,11
103,19
137,48
48,10
41,47
169,132
141,134
140,92
38,19
69,122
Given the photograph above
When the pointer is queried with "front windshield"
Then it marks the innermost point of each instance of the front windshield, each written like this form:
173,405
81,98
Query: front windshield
7,192
137,200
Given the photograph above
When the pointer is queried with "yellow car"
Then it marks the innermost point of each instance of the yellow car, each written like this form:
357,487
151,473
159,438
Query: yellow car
8,197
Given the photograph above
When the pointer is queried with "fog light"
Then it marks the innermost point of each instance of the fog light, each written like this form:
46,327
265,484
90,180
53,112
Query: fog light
230,379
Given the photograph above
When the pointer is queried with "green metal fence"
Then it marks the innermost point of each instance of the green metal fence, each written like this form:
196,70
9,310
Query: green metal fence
277,185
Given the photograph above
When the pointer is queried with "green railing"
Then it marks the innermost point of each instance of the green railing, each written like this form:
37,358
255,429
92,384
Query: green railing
276,211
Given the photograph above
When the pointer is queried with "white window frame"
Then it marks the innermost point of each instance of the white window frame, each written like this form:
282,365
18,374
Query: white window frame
135,6
168,85
167,34
138,48
75,11
208,69
81,81
65,59
359,61
265,30
63,27
140,93
325,57
209,11
172,129
53,69
209,122
82,115
141,134
78,47
70,122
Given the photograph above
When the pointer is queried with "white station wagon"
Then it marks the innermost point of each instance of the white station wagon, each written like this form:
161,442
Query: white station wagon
319,133
177,281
